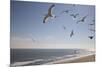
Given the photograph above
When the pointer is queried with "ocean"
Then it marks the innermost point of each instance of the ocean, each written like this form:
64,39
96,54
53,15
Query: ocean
41,56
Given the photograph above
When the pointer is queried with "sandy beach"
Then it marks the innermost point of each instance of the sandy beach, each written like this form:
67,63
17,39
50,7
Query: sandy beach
90,58
84,58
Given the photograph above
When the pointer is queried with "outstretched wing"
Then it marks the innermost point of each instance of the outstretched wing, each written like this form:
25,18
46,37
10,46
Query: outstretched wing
92,24
77,14
92,30
78,21
72,33
64,27
91,37
74,15
71,14
84,17
45,18
50,9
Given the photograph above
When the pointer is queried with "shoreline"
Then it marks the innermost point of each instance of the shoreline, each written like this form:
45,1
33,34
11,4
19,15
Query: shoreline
76,59
84,58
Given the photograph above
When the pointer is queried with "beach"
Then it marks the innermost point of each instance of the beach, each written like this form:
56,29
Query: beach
87,58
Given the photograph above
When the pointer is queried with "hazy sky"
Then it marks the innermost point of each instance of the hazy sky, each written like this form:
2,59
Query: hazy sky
29,31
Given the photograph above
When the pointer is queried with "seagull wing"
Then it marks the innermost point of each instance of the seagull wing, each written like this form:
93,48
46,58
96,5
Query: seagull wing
64,27
91,37
77,14
71,33
45,18
92,24
78,21
71,14
50,10
92,30
84,17
33,40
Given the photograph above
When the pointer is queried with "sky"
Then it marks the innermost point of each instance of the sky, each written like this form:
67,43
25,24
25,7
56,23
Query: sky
29,32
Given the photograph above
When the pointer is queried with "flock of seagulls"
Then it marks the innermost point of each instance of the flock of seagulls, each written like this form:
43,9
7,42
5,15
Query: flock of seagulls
74,15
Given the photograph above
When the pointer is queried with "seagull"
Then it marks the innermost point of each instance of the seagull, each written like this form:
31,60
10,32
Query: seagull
93,20
33,40
91,37
92,30
72,33
73,5
66,11
64,27
74,15
49,14
92,24
82,19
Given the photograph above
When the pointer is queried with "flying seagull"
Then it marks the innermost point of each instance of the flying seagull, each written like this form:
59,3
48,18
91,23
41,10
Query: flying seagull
74,15
82,19
49,14
92,30
65,11
33,40
72,33
64,27
92,24
93,20
91,37
73,5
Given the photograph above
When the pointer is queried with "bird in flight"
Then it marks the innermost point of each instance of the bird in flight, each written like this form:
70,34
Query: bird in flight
92,24
49,14
91,37
72,33
92,30
65,11
93,20
74,15
73,5
64,27
33,40
82,19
